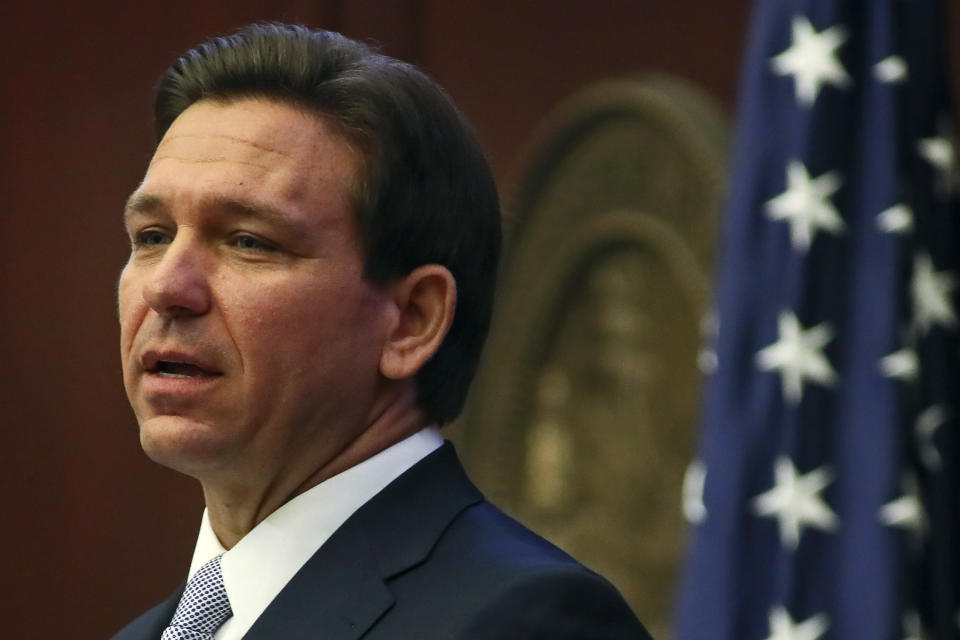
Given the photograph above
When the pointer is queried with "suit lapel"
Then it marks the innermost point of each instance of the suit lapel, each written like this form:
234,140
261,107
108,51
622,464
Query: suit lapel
337,595
405,520
343,589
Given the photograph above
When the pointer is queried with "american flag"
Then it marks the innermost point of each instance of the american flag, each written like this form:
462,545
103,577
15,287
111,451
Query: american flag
825,499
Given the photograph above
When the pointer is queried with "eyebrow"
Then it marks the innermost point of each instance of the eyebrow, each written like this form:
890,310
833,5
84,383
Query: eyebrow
153,203
143,203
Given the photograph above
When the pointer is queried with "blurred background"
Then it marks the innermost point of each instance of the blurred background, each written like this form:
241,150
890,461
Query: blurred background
624,104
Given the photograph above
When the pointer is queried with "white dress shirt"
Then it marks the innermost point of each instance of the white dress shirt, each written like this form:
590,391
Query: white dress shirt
257,568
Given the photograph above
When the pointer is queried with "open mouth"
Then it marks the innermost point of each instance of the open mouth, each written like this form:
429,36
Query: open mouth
171,369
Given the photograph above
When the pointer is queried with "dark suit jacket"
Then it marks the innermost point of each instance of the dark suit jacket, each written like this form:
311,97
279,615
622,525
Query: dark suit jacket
429,558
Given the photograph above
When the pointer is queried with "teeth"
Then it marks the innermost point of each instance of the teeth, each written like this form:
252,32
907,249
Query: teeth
169,369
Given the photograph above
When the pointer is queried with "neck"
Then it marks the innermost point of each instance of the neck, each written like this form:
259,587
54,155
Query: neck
240,501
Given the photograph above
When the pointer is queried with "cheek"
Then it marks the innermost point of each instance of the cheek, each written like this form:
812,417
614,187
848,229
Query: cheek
314,329
131,312
127,312
277,323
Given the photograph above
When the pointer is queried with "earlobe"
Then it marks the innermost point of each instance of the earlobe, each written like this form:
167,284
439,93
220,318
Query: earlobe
426,299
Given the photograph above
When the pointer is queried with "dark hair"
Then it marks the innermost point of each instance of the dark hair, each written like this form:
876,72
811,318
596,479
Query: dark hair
424,195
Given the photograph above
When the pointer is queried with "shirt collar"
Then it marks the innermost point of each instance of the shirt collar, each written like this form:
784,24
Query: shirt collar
263,561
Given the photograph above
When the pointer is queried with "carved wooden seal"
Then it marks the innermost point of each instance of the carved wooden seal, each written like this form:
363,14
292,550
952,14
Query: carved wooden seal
584,413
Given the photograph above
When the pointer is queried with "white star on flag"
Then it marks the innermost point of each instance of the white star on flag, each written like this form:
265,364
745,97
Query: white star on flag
929,420
941,155
902,365
896,219
694,481
797,355
707,356
906,511
806,205
782,626
796,502
938,151
931,292
912,627
892,69
812,60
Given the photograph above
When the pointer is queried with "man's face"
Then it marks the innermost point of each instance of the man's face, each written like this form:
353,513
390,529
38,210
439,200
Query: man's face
250,340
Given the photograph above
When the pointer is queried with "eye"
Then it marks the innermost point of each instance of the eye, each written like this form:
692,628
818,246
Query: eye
249,242
151,237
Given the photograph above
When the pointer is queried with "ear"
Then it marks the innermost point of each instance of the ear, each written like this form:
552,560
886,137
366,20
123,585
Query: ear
425,300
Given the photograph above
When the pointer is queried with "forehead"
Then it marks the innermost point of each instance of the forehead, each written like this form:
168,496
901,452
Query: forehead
278,150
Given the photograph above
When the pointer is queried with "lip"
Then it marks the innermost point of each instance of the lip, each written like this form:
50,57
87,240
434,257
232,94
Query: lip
151,358
161,388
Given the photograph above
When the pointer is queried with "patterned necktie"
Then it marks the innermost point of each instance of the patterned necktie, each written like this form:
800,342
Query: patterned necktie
203,607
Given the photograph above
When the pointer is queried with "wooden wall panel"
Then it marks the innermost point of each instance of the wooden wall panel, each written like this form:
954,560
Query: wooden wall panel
89,523
508,63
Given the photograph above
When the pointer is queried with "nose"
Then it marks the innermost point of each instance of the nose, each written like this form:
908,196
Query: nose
179,283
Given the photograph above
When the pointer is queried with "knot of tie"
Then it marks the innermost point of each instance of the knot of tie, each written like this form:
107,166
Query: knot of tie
203,607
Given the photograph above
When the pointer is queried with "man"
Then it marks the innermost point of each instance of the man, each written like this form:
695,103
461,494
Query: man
313,251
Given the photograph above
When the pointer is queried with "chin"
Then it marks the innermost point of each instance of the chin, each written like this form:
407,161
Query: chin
188,446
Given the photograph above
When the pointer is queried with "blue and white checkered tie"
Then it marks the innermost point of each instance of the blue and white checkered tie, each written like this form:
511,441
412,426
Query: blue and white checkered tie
203,607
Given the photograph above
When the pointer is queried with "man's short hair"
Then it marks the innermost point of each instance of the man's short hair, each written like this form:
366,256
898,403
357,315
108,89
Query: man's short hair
425,194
